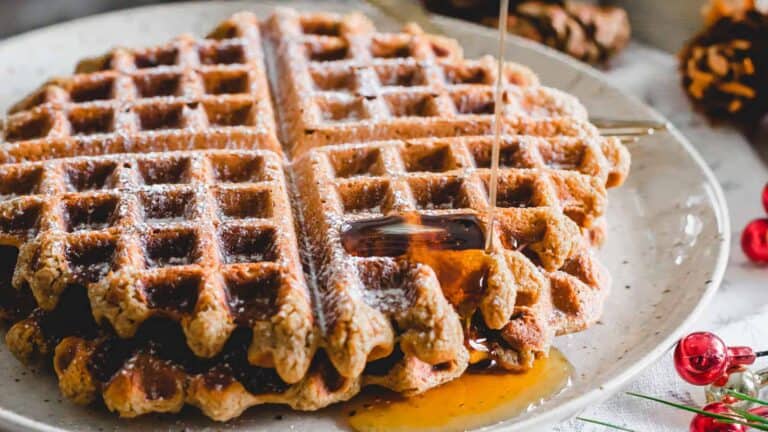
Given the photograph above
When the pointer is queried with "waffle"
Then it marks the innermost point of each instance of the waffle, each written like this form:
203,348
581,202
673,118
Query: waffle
155,371
187,94
541,273
341,82
174,273
206,239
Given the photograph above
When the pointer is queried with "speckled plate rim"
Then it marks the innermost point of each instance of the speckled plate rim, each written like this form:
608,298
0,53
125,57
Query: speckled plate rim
566,410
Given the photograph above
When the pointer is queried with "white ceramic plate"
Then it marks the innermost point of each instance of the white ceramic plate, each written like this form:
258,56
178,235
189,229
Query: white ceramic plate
667,247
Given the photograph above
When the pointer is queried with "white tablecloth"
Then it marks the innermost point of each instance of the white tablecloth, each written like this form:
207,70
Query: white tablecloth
739,312
662,381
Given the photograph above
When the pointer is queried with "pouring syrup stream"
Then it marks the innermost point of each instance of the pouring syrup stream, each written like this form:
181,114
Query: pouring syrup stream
498,111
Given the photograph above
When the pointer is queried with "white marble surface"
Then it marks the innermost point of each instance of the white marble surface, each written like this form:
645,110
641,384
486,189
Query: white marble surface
739,166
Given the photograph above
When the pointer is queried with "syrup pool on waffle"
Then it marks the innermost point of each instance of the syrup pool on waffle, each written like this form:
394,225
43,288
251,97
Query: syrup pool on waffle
452,246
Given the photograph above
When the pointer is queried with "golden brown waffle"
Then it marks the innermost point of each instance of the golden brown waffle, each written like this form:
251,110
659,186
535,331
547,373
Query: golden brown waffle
541,273
341,82
204,238
187,94
156,372
182,269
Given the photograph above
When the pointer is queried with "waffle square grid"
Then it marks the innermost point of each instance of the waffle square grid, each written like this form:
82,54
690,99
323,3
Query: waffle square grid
188,94
342,81
192,283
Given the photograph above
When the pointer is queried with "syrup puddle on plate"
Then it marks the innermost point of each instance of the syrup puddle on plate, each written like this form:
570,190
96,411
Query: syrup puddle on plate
474,400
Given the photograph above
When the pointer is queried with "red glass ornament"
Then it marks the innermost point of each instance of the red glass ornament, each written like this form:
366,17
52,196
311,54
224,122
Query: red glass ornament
702,358
702,423
754,240
765,197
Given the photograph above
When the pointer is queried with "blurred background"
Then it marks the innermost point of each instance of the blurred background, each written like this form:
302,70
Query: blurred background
662,23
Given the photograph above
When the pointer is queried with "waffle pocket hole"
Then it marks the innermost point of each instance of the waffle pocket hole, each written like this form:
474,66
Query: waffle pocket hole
387,287
222,54
238,169
92,213
434,194
91,121
153,85
156,58
22,221
441,51
357,163
400,75
561,157
160,117
336,111
225,82
252,297
473,104
19,182
382,366
96,64
332,79
168,207
519,195
89,176
412,106
327,49
509,155
391,47
436,159
177,294
164,171
364,197
88,91
224,31
467,75
35,127
90,259
248,245
231,114
245,203
519,240
171,248
320,27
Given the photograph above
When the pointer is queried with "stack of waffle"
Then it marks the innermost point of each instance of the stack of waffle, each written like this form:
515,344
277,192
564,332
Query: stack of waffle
160,249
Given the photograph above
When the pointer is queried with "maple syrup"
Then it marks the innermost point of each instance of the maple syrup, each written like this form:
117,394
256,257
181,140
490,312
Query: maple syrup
473,400
395,235
452,245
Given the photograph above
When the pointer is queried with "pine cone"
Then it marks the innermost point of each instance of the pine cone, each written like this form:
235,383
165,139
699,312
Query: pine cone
473,10
587,32
717,9
725,68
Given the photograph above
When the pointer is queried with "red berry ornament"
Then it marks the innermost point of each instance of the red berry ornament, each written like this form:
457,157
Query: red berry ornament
702,358
754,240
765,197
702,423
